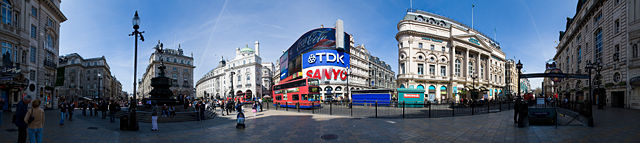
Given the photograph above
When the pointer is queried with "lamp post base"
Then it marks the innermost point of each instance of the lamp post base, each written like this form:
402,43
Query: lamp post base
133,122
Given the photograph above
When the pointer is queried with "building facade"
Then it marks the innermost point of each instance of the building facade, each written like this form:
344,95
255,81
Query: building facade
86,78
444,57
29,38
511,78
267,81
240,76
633,31
179,67
601,32
380,74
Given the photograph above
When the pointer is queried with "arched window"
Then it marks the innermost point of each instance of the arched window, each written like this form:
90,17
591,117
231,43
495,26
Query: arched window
457,68
401,86
443,90
328,88
420,87
6,11
338,88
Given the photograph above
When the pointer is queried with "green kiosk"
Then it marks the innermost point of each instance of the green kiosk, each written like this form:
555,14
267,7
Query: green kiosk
411,96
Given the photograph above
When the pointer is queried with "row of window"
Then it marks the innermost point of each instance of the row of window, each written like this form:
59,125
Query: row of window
433,48
8,50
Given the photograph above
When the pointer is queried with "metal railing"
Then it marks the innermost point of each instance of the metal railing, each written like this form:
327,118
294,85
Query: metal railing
376,109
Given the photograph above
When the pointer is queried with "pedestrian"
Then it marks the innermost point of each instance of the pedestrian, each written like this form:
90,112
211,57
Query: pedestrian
70,109
63,112
202,109
260,104
113,109
18,118
105,107
90,105
240,121
172,111
165,111
222,108
154,117
35,121
84,108
239,106
254,108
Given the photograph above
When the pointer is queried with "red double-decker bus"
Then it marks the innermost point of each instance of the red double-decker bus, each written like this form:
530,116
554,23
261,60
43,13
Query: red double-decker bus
297,93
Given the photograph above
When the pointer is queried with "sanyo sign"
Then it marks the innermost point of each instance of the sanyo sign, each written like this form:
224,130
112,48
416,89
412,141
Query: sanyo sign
326,57
328,65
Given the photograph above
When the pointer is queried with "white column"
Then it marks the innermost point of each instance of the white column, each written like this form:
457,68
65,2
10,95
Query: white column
466,64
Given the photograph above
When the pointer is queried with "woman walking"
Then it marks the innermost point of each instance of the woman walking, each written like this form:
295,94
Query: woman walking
154,118
35,121
254,108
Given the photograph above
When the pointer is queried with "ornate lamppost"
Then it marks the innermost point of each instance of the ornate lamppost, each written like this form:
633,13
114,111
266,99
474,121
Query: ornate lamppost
133,123
519,67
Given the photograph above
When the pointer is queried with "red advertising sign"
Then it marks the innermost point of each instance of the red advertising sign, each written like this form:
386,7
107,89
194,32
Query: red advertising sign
411,96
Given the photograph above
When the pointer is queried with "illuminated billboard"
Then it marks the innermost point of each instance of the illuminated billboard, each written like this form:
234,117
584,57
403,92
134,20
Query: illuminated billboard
320,38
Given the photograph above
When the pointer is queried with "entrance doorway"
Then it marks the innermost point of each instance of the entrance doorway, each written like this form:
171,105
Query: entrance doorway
617,99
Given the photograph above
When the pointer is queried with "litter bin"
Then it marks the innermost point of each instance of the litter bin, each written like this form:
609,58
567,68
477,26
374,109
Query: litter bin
124,122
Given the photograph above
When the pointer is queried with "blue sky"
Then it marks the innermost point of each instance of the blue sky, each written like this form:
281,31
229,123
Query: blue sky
527,30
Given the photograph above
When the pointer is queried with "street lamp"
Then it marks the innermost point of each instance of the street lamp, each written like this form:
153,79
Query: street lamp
133,123
99,84
233,96
519,67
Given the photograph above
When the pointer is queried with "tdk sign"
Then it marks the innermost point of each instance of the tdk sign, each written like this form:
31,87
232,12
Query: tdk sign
326,57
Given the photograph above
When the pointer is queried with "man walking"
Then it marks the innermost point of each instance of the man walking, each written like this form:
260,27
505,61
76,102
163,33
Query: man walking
104,109
113,109
70,108
63,111
90,105
84,108
202,109
18,119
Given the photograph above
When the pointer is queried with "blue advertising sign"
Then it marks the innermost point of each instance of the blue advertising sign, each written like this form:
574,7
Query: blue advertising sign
325,57
320,38
284,68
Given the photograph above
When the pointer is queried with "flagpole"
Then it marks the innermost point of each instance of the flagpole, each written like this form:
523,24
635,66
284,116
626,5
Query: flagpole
472,6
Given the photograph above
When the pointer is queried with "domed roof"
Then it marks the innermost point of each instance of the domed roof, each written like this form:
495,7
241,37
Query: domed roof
247,49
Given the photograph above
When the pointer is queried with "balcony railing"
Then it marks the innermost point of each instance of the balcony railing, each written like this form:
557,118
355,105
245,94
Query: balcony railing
50,64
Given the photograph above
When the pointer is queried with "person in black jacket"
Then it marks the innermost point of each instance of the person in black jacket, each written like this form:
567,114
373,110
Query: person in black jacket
18,118
202,109
104,107
63,112
70,108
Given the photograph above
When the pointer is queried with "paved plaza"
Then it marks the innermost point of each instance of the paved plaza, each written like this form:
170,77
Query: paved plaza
612,125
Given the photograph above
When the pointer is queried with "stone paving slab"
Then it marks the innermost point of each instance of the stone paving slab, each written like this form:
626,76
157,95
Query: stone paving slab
612,125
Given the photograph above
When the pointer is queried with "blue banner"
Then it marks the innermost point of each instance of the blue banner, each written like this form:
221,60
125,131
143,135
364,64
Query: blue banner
325,57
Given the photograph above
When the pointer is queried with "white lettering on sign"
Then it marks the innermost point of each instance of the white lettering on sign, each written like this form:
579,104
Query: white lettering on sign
329,57
411,96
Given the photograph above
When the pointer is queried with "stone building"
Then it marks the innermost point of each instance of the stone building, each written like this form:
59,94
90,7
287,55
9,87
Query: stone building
444,56
633,30
179,67
267,81
601,32
380,74
243,72
511,78
86,78
29,38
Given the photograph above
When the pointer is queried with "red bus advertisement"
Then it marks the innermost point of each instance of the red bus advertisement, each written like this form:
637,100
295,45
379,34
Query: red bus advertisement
297,93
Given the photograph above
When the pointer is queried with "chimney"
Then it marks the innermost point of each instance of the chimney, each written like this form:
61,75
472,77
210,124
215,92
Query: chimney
257,48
